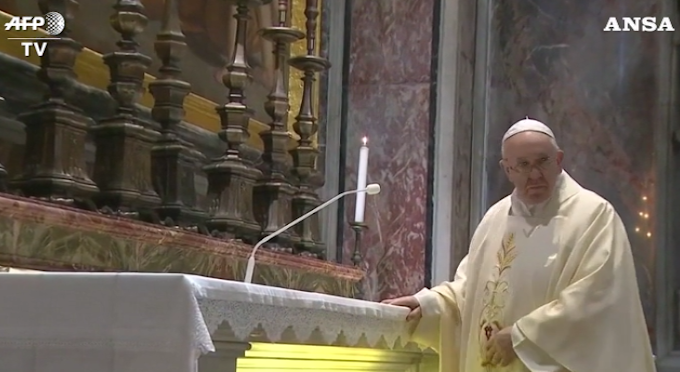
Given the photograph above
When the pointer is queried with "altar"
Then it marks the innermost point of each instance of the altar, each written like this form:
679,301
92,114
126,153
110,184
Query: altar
134,322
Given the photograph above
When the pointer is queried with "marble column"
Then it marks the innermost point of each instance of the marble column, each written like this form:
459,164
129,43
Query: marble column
598,91
389,83
453,150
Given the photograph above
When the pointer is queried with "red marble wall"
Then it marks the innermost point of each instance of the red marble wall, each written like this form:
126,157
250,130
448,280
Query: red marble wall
389,102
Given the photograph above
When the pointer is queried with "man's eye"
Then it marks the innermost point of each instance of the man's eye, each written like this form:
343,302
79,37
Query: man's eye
523,164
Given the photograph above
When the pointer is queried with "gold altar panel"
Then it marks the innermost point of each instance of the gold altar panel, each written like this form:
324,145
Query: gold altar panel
208,27
265,357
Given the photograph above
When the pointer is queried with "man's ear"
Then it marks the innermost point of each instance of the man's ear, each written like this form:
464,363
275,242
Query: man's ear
559,158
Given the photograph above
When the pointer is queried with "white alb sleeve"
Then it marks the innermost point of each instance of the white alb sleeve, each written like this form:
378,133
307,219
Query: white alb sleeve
535,359
427,299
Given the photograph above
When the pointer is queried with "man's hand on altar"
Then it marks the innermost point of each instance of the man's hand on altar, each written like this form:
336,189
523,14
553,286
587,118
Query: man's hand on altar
499,349
407,301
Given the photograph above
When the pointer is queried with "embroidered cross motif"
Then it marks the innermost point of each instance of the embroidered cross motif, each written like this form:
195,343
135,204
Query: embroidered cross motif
488,332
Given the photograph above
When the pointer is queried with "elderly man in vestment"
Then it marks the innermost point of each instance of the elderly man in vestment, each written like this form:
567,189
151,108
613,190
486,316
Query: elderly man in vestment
548,284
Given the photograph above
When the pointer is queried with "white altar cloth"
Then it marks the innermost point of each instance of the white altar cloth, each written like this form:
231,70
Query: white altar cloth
135,322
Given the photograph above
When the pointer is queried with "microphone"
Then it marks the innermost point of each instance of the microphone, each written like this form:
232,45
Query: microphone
371,189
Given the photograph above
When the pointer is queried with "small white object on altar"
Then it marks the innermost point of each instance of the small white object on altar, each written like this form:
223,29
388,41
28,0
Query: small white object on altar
124,322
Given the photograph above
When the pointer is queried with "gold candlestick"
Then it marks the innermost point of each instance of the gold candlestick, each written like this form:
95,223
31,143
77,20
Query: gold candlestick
305,154
56,131
231,179
122,166
172,159
274,192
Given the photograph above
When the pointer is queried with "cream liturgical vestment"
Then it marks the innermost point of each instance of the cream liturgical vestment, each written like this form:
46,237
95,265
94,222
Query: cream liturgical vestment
562,278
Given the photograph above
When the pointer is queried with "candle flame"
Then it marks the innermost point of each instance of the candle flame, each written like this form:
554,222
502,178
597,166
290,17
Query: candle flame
365,140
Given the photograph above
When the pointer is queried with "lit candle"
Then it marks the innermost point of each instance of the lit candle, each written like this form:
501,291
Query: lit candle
361,182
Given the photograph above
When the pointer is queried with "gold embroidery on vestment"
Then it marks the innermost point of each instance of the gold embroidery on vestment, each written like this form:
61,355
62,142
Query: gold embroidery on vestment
495,291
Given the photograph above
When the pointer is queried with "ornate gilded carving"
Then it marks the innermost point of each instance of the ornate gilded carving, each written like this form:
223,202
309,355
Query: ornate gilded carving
54,164
273,193
304,155
173,160
230,178
122,167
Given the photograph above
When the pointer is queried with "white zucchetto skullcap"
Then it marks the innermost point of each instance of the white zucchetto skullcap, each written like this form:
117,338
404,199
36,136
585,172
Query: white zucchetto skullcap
528,125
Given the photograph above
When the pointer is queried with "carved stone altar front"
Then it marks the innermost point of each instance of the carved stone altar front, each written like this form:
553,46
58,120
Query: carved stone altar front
170,322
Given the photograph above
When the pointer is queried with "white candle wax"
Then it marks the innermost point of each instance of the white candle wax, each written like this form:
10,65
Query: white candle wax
362,176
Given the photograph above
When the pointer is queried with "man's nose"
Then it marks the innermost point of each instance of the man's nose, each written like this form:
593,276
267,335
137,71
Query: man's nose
535,173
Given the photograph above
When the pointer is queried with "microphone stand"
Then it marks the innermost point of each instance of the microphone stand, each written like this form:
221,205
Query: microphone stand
371,189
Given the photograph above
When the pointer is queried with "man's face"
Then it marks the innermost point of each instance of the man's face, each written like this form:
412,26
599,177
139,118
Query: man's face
532,164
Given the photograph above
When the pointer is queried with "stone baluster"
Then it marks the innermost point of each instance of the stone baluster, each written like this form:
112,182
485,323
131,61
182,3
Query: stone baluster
54,164
172,159
122,166
273,193
305,154
230,177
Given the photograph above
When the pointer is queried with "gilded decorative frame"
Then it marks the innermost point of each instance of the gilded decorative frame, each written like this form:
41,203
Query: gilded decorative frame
199,111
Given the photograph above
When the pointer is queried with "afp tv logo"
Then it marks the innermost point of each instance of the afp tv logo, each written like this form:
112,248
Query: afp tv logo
52,22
